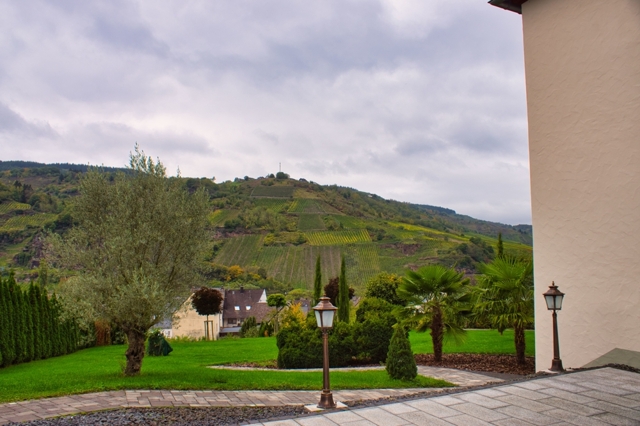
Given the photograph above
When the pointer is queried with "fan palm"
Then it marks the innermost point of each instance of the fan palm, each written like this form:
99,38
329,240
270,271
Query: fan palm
437,299
504,297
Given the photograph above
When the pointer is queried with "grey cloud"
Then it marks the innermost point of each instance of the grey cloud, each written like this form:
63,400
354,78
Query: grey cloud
12,122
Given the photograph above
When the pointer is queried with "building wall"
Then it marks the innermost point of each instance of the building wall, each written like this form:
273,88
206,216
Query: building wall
188,323
582,62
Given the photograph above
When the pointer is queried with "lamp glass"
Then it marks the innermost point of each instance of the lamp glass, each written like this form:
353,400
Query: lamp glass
327,318
550,302
559,301
318,318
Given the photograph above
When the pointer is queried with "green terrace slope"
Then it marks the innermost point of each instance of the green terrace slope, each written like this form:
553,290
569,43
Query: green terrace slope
278,226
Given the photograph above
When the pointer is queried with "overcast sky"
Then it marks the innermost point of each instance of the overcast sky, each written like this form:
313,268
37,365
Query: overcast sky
415,100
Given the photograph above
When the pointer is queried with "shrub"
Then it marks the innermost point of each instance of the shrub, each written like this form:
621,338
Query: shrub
400,361
375,320
157,345
248,325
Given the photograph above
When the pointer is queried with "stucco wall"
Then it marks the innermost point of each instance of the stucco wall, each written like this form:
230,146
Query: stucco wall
188,323
582,61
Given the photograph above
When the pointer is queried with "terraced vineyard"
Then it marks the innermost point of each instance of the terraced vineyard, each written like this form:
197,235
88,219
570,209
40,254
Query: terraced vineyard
310,222
274,191
362,262
350,222
17,223
327,238
13,206
241,250
305,205
274,205
219,217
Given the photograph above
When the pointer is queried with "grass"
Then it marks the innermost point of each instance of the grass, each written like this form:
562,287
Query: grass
477,341
99,369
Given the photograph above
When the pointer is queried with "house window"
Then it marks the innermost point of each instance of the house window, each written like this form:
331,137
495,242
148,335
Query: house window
232,320
237,308
248,308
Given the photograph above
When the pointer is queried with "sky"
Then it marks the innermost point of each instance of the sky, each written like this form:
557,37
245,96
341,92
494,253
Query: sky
420,101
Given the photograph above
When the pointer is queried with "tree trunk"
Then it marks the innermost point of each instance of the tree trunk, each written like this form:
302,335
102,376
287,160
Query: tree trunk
437,334
520,344
135,352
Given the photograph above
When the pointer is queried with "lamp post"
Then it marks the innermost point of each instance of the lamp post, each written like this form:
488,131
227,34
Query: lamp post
554,297
325,312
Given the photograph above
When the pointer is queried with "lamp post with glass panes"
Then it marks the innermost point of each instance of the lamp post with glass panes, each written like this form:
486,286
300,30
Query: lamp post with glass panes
325,313
554,297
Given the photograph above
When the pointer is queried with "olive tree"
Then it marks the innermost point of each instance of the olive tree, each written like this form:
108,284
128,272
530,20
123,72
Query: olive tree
135,248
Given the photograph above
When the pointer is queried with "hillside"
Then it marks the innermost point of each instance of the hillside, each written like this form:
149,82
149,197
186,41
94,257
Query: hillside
275,226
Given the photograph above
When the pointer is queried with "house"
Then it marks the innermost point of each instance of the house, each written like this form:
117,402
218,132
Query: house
241,304
582,66
187,322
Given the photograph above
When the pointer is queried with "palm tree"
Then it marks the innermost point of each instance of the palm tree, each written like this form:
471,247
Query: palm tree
504,297
437,298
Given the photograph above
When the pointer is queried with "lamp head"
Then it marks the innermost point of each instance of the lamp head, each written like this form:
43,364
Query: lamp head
553,297
325,312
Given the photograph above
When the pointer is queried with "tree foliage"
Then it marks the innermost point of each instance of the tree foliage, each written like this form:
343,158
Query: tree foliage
332,289
136,247
344,296
317,282
401,365
504,297
438,300
384,286
207,301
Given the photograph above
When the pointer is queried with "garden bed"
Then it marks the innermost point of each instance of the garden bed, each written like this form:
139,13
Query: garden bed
504,364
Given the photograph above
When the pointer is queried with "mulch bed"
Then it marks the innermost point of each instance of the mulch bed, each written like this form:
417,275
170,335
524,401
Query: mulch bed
505,364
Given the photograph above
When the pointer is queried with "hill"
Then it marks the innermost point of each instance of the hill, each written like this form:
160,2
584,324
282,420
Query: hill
270,227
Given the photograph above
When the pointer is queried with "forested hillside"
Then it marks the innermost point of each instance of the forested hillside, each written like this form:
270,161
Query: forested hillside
267,228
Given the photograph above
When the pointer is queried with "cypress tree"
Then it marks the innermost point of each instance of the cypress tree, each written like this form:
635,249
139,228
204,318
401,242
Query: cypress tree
45,324
29,331
317,283
401,365
3,310
34,301
57,327
500,246
7,341
19,338
343,294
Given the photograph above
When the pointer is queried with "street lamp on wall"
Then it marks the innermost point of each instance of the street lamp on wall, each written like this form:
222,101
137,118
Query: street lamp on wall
325,312
554,297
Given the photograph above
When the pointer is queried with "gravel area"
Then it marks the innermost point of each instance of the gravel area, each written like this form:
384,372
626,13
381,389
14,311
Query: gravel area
173,416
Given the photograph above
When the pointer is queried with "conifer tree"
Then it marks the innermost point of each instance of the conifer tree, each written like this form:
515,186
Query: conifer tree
401,365
35,319
3,309
45,324
6,338
317,283
500,246
29,331
19,338
343,294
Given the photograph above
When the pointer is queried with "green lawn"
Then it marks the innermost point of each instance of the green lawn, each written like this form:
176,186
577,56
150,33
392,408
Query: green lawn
99,369
477,341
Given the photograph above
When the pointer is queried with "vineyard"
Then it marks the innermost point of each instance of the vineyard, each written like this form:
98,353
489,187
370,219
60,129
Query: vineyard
305,205
17,223
328,238
273,191
13,206
310,222
362,262
219,217
272,204
350,222
241,250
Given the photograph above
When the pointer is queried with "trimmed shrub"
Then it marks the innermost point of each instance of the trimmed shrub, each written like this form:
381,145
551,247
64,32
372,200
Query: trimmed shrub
401,364
157,345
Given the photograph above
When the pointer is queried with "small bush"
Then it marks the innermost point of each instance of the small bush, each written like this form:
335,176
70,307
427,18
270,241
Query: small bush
401,364
157,345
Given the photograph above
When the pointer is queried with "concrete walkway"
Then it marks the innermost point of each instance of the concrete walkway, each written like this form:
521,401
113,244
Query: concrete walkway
52,407
596,397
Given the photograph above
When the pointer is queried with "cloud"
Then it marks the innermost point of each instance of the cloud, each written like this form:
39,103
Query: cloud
417,101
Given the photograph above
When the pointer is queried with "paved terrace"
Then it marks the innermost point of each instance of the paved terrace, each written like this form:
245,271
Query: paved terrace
596,397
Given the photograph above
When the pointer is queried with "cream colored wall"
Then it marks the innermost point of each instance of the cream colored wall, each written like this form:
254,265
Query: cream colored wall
582,61
188,323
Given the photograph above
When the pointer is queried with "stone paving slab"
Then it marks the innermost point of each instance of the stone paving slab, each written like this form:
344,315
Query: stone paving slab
594,398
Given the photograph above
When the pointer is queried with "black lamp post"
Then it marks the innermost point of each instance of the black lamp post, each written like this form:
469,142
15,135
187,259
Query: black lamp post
325,312
554,297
